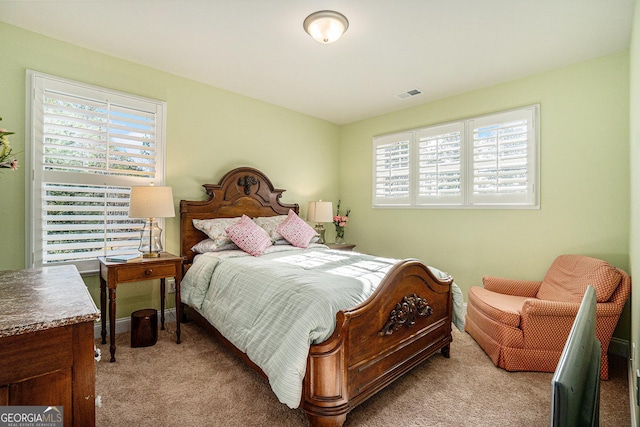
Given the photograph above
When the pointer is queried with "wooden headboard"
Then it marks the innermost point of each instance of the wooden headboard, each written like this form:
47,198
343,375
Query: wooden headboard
240,191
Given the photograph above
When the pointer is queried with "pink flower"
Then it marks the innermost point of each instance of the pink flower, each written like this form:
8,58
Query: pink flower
14,164
340,221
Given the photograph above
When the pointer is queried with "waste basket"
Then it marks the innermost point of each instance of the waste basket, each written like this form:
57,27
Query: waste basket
144,327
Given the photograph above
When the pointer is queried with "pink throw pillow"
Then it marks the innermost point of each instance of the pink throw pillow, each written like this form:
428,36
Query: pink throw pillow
296,231
248,236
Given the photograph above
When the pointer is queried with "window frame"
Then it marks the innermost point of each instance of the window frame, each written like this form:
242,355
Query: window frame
529,200
109,182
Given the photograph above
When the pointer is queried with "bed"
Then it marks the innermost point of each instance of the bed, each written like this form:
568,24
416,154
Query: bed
405,319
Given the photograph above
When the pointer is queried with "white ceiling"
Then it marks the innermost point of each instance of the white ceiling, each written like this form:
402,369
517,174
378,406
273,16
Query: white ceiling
258,48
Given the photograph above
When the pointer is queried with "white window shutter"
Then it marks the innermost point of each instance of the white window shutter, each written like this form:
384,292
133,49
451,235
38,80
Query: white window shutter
440,164
82,222
392,170
502,167
488,162
90,146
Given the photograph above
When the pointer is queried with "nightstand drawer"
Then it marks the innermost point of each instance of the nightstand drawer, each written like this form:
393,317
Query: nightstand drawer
145,272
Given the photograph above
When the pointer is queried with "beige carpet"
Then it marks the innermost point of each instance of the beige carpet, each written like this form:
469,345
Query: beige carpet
200,383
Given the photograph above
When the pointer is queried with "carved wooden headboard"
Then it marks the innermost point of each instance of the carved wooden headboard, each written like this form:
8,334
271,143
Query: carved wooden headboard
242,190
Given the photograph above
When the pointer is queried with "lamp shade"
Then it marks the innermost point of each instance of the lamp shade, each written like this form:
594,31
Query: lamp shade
320,211
326,26
151,202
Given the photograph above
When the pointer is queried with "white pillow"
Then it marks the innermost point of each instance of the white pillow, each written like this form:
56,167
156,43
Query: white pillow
270,224
215,229
208,245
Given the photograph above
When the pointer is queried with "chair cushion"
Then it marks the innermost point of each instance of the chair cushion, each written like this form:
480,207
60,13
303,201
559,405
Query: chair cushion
569,275
502,308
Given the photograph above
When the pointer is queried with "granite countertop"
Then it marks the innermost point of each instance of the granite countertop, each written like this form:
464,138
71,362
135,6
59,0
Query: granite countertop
43,298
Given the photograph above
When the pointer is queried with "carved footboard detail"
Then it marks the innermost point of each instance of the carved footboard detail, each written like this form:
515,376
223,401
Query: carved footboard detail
405,313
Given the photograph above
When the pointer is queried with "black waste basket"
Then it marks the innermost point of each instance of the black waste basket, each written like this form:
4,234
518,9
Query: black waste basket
144,327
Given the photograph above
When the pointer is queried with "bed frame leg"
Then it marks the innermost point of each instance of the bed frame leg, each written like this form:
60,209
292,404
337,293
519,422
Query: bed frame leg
183,315
445,351
326,421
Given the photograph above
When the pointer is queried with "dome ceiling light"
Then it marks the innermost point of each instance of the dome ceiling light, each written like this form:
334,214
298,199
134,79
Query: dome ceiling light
326,26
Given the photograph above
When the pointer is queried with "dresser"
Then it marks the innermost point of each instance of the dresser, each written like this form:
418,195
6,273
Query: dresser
46,342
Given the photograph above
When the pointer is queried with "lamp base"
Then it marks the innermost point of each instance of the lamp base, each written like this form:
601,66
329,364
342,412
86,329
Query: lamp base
150,239
320,230
151,255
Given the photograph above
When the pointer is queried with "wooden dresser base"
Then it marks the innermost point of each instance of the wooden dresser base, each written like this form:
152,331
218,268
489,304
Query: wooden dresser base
52,367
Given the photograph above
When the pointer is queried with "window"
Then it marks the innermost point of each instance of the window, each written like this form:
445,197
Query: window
482,162
88,146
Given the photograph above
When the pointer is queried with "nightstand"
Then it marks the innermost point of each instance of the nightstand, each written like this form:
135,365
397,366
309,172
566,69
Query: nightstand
341,246
114,273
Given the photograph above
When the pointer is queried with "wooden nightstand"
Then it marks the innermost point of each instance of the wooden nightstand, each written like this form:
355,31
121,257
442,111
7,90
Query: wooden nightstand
114,273
341,246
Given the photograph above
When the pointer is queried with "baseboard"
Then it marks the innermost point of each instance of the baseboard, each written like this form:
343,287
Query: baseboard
123,324
632,394
619,347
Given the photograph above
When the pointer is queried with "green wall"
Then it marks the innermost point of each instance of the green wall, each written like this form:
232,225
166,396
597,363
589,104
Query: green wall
209,131
585,172
584,181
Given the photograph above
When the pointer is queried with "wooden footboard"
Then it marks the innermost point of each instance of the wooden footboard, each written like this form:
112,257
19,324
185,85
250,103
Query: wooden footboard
406,320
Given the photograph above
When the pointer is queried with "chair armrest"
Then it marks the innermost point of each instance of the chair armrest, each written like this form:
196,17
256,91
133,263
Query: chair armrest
607,309
538,317
520,288
546,324
539,307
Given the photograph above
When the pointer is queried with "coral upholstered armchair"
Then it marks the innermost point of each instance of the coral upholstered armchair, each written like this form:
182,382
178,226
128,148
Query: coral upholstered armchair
523,325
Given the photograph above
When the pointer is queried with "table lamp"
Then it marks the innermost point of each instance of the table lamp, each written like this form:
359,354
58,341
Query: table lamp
151,202
320,212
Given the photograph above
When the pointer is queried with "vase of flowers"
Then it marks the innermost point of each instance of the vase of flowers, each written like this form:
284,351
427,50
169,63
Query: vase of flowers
7,159
340,222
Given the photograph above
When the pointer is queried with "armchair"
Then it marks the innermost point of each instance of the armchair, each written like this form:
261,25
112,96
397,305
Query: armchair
523,325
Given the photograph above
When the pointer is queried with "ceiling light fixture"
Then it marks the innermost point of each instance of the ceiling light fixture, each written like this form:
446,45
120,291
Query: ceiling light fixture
326,26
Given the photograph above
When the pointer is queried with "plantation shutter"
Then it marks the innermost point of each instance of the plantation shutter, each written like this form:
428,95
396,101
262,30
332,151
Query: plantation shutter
503,158
486,162
440,164
392,169
90,145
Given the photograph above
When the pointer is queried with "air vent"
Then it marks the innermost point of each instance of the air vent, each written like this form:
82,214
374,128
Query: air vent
409,93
